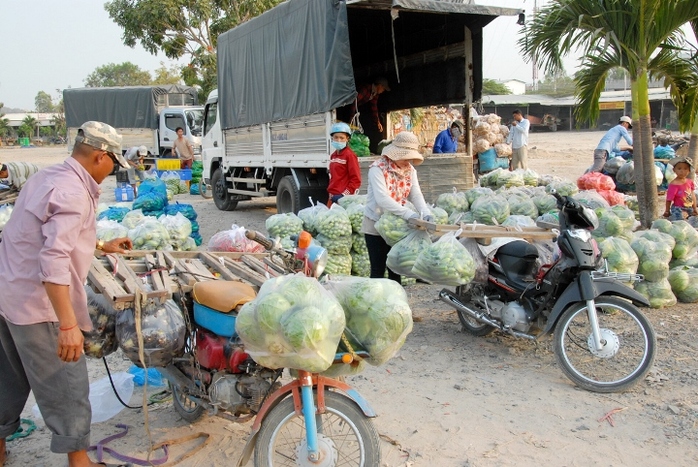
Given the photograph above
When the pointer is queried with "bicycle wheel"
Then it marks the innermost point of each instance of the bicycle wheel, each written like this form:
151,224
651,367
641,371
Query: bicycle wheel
627,354
345,436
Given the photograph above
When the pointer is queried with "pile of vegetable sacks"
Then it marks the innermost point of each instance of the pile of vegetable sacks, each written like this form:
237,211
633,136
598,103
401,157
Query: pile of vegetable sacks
354,206
445,261
653,249
292,323
334,234
378,318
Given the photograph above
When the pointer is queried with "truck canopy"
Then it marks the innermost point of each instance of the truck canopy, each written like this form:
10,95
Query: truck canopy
307,56
124,107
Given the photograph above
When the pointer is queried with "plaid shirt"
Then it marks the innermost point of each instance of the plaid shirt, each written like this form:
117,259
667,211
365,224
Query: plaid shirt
366,94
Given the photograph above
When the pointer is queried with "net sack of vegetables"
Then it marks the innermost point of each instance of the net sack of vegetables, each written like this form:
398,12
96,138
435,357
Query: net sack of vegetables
358,243
378,315
619,256
179,228
653,257
283,225
684,283
198,239
309,216
614,223
338,265
531,177
489,180
480,260
453,202
348,200
683,233
392,228
474,193
292,323
403,254
517,220
360,264
149,235
510,179
691,262
658,293
626,173
355,211
491,210
109,230
522,206
544,203
113,213
163,330
461,218
445,262
336,246
595,181
101,340
333,223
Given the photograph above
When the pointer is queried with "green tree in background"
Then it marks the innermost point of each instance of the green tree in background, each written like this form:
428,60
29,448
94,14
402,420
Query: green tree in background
491,87
5,128
639,36
556,85
58,120
171,75
184,28
43,102
32,124
112,74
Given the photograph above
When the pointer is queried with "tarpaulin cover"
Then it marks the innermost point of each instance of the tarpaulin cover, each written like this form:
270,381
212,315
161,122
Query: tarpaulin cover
120,107
292,60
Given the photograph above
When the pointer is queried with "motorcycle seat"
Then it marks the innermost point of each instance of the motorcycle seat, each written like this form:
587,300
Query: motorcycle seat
223,296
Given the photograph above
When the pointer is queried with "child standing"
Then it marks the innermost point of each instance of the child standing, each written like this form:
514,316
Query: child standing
681,196
345,175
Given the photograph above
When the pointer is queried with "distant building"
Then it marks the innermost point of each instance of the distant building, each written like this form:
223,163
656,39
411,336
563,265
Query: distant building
516,86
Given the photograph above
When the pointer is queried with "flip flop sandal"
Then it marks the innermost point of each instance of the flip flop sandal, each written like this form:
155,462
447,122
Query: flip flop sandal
25,428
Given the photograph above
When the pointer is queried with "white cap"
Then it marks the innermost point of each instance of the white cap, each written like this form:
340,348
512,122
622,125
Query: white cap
627,120
142,151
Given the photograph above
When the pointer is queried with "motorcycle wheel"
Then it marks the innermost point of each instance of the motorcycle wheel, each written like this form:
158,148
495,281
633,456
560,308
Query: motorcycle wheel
470,324
345,436
628,352
189,410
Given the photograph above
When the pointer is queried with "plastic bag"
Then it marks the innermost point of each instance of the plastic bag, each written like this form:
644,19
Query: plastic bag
613,164
392,228
151,202
194,188
234,240
491,210
453,202
474,193
516,220
522,206
684,283
378,315
653,255
592,199
626,173
531,178
149,235
358,243
355,211
101,340
132,218
684,235
104,402
360,264
292,323
403,254
113,213
338,265
336,246
187,210
563,188
615,222
445,262
658,293
333,223
479,259
544,203
613,198
179,228
283,225
440,215
163,330
152,185
309,215
595,181
619,256
348,200
109,230
139,376
359,143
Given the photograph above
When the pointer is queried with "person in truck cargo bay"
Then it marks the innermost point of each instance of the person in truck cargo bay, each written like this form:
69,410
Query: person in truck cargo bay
368,94
446,141
345,175
47,249
183,149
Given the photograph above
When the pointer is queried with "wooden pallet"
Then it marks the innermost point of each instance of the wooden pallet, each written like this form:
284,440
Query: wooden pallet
484,232
159,274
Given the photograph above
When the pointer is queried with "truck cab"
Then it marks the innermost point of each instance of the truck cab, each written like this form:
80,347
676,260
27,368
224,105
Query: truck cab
190,119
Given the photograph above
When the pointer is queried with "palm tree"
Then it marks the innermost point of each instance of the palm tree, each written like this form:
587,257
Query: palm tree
32,123
639,36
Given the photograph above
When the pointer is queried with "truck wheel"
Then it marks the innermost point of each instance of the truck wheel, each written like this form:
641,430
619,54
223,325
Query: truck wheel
288,197
221,197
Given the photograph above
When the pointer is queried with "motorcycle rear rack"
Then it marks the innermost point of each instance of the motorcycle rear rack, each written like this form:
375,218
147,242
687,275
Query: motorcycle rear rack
619,276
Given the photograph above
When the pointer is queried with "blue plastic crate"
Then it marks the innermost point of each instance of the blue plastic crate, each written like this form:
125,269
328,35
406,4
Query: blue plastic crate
124,193
184,174
217,322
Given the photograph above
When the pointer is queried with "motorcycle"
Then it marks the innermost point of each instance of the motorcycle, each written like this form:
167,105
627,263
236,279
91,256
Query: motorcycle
311,421
601,340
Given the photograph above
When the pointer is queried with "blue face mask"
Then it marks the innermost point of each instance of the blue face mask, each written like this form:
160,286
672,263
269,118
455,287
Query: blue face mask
339,145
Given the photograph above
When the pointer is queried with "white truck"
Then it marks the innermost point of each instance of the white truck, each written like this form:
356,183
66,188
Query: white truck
285,76
143,115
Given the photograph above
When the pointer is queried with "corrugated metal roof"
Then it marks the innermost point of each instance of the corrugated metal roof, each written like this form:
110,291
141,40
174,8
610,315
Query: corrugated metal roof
655,94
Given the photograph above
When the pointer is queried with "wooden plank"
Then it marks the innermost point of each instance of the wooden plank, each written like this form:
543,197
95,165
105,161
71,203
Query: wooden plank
245,273
154,294
213,263
276,267
155,278
485,231
99,278
119,269
259,266
165,275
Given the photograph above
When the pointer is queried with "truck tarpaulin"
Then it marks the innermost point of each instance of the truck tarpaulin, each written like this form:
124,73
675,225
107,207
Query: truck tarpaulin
292,60
121,107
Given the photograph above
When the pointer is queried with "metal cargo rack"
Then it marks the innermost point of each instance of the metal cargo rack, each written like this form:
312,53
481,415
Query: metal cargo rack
159,274
483,232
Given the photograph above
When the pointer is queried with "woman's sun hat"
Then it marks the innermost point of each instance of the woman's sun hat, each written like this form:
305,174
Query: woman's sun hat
405,146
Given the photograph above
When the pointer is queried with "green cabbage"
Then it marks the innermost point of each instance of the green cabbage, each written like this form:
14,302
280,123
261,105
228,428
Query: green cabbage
684,283
544,203
658,293
653,258
619,255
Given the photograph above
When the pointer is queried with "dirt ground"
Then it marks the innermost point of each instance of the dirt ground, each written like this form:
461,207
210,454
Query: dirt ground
449,399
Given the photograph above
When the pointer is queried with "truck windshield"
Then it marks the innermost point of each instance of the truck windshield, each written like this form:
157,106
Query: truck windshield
195,120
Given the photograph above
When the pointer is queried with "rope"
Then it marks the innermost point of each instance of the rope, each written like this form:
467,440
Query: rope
140,300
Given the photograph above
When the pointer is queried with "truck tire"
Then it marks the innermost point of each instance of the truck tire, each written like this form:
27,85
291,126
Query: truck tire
221,197
288,197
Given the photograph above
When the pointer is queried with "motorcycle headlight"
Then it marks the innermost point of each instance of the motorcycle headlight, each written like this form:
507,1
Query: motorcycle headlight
317,258
580,234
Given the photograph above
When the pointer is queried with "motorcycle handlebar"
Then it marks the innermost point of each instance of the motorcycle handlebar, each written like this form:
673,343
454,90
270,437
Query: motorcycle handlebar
259,238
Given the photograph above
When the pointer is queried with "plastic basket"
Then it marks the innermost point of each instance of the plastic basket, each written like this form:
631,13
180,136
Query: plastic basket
167,164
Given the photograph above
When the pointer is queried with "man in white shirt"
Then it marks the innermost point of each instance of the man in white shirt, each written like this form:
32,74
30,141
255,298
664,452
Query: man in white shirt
518,138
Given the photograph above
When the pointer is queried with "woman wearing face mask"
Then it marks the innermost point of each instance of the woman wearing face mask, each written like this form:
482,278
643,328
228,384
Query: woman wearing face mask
345,175
447,141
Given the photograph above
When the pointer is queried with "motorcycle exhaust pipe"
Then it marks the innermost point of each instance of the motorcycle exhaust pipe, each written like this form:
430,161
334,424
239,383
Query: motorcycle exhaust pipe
448,297
175,376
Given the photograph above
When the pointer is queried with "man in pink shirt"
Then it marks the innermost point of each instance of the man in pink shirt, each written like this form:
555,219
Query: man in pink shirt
45,254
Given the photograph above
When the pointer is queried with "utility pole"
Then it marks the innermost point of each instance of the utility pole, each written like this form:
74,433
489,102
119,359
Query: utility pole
535,60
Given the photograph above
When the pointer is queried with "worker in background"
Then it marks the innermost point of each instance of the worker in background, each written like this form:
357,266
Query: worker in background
345,175
183,149
17,173
518,138
368,94
446,141
610,141
136,171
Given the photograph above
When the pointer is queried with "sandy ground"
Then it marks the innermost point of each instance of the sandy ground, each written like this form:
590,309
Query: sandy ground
449,399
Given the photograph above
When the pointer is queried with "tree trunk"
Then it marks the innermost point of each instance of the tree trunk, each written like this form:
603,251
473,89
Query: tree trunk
693,143
643,155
